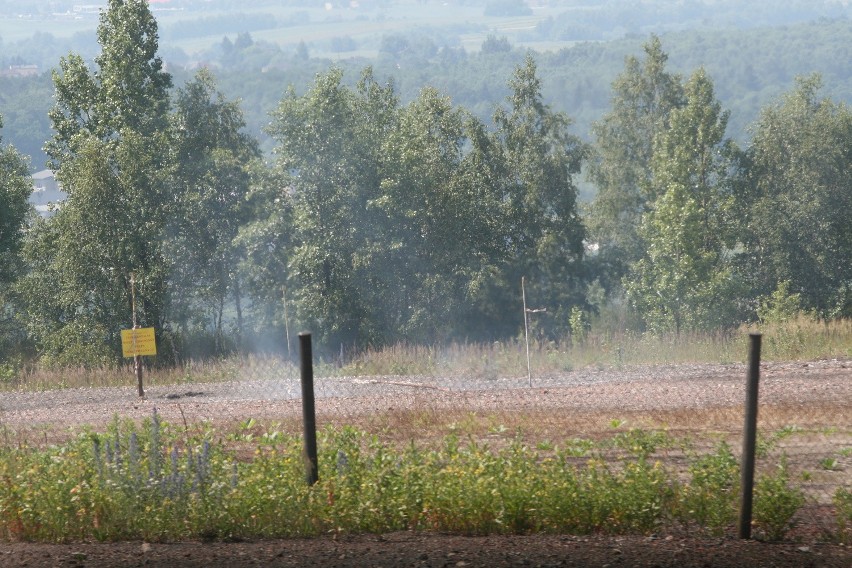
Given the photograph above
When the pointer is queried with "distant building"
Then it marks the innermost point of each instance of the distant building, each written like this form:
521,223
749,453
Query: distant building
20,71
46,191
89,9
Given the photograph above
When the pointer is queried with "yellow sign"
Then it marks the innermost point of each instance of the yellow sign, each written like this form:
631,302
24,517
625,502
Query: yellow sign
138,342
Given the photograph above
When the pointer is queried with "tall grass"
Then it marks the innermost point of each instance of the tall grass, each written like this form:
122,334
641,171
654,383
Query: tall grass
801,338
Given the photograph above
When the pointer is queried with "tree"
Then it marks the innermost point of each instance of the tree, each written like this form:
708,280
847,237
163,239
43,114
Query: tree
544,232
441,222
327,165
266,241
798,200
212,179
685,280
644,95
415,223
15,189
111,152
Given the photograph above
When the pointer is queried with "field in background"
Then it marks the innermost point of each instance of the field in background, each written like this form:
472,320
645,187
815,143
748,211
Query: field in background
316,26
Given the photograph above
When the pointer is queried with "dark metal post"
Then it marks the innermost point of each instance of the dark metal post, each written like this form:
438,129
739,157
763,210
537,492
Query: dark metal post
749,437
137,369
308,409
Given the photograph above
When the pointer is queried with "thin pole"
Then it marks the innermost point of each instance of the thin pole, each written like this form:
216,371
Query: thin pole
749,437
286,325
308,409
526,331
137,360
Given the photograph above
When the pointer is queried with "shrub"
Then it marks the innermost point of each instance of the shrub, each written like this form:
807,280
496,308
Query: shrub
710,497
775,502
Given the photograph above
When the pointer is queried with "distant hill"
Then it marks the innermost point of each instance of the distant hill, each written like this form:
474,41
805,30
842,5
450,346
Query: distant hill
750,65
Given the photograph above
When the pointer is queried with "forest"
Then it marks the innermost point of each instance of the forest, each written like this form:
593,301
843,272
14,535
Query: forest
753,52
382,213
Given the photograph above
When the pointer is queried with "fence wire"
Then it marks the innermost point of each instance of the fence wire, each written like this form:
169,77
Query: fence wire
804,417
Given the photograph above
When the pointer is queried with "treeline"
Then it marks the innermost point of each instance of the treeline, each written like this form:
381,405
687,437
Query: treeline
381,221
750,68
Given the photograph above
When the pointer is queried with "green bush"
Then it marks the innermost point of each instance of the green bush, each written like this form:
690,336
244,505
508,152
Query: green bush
775,502
710,497
156,482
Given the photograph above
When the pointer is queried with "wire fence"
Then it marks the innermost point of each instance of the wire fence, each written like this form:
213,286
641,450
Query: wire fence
804,422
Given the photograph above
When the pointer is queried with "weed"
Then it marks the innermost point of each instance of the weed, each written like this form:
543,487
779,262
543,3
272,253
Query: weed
577,448
766,444
775,502
709,498
843,503
641,443
155,482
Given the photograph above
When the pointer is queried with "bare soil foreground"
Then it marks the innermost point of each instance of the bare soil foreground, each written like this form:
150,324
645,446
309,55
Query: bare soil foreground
435,550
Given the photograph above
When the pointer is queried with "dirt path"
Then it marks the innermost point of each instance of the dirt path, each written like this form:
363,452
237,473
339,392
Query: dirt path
398,550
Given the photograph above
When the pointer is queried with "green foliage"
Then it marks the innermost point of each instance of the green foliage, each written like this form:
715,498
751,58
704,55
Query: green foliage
326,154
544,230
157,482
415,222
710,497
843,502
685,280
111,155
394,214
579,325
10,371
641,443
781,306
775,502
644,95
212,181
798,233
15,189
127,483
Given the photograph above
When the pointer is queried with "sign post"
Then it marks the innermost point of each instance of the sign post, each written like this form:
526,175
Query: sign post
137,341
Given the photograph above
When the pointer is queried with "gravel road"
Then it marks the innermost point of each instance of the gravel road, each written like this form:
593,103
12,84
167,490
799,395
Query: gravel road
641,388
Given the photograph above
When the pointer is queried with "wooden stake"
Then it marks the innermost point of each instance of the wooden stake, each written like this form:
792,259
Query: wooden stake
137,360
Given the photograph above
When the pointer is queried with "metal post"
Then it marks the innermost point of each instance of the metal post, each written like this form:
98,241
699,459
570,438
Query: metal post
137,368
749,437
308,409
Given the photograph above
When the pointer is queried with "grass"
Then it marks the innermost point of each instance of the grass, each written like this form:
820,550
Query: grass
155,481
38,378
803,338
